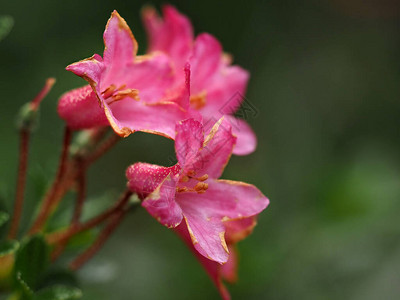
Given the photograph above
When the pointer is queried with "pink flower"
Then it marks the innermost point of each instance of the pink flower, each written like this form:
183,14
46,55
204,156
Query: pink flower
128,92
190,198
217,87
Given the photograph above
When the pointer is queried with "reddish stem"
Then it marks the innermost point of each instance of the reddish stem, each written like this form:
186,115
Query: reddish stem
21,180
81,196
45,90
23,162
60,237
109,228
103,148
56,190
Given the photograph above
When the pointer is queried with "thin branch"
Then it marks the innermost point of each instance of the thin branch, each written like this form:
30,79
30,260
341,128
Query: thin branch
25,131
46,89
109,228
60,237
103,148
81,195
52,196
21,180
80,198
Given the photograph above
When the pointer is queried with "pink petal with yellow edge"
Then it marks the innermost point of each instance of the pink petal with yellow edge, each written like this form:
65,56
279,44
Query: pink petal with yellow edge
144,178
246,142
161,203
80,109
237,230
204,61
223,200
172,34
89,69
212,268
151,76
207,233
158,118
120,47
216,151
131,91
188,141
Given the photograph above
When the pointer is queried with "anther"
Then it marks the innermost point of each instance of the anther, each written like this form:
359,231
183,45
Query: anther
132,93
182,189
108,91
201,187
202,178
191,173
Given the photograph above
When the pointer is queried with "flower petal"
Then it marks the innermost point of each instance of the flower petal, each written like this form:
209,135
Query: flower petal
216,151
120,46
205,61
237,230
128,116
80,109
188,141
225,93
223,200
89,69
173,34
246,142
207,233
152,75
161,203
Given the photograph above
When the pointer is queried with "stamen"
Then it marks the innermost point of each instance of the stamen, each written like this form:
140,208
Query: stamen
201,187
117,94
108,91
191,173
202,178
132,93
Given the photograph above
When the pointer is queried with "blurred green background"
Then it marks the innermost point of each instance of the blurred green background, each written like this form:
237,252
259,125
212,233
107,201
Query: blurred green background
325,80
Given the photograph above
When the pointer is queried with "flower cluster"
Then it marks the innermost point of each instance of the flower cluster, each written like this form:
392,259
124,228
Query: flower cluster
184,89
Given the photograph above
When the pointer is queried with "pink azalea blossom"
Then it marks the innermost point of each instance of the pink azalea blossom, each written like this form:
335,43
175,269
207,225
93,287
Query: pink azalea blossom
217,87
211,213
129,92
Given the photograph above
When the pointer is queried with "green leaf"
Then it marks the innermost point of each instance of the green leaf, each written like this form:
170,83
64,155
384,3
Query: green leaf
32,260
58,276
8,247
3,218
7,258
58,292
25,292
6,23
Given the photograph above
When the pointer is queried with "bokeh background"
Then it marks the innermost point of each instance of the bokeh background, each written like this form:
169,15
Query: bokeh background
325,81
